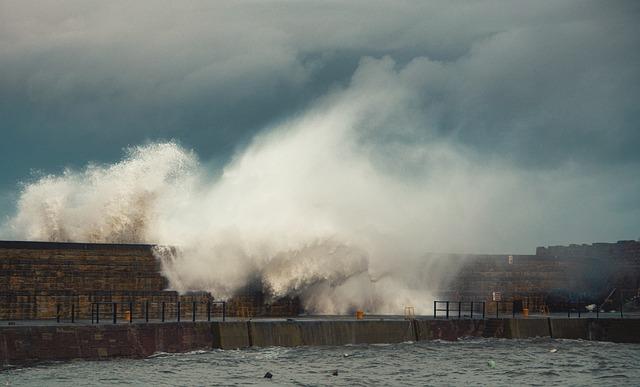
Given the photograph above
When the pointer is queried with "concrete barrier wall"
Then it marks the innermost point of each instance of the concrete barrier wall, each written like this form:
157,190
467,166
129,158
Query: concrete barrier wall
448,329
296,333
356,332
569,328
615,330
282,334
230,335
522,329
28,344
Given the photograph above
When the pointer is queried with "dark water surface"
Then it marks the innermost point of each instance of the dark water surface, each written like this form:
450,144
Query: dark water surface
494,362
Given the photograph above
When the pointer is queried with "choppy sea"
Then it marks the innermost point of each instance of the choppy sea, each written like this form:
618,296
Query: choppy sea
473,361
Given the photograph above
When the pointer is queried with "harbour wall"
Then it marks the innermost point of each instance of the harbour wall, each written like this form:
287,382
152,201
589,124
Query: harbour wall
37,343
49,280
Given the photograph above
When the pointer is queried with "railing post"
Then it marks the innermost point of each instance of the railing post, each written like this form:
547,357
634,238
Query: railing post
130,312
115,312
57,312
73,312
162,318
193,311
178,305
209,310
459,309
621,303
472,310
447,310
434,308
97,313
224,310
146,311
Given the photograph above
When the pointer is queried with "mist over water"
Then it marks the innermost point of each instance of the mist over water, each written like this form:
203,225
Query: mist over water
338,205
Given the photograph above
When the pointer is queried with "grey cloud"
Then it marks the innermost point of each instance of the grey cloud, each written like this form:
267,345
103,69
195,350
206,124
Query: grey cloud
538,84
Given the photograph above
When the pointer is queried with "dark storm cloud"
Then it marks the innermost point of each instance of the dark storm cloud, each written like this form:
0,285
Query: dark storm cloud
538,84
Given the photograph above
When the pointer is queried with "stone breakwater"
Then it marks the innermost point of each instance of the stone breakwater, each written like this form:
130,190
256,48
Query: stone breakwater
37,343
46,280
43,280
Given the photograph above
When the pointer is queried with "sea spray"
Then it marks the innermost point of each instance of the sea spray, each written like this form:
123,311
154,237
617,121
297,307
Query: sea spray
314,207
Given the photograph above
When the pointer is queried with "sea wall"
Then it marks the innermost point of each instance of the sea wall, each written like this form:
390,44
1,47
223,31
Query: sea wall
50,280
336,332
29,344
557,271
39,280
449,329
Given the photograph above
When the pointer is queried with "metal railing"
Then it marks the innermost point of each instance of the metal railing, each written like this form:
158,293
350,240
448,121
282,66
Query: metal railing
465,309
579,309
165,311
451,307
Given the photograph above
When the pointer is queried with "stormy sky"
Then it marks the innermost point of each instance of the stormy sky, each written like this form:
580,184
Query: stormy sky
549,90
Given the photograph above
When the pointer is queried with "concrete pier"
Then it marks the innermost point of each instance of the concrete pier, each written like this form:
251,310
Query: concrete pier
36,343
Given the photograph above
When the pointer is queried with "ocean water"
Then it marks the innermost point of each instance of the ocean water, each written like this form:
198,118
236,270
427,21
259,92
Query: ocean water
473,361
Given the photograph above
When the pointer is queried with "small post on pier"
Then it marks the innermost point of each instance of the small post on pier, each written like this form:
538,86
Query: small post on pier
224,310
209,310
57,312
97,313
459,309
193,311
513,309
484,308
434,308
73,312
497,309
178,311
472,310
146,311
115,312
621,303
162,312
130,312
447,315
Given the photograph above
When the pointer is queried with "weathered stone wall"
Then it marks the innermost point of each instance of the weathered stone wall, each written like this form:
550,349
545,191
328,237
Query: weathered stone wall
68,267
584,271
252,303
480,275
37,278
29,344
621,249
